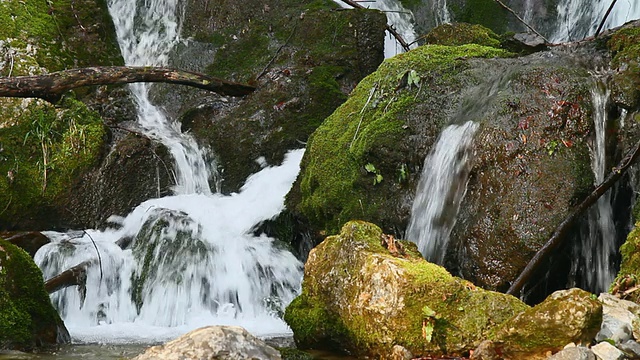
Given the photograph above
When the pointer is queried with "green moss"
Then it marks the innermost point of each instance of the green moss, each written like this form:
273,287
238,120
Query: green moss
462,33
26,314
335,186
57,143
360,298
630,251
625,47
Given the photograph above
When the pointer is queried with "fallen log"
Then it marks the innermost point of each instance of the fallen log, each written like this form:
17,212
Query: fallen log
51,87
559,235
75,276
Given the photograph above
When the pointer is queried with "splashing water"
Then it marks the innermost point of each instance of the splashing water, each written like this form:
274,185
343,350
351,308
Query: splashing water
441,12
183,261
399,18
598,248
442,186
578,19
193,261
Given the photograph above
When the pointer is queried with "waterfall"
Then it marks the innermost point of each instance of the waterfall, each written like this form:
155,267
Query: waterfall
441,188
578,19
598,247
528,11
398,17
441,12
183,261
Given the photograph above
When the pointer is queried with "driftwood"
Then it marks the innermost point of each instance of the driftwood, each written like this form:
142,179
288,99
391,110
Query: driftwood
50,87
30,241
559,235
77,275
388,27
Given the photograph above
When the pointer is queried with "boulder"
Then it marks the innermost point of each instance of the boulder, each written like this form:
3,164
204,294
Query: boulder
565,316
213,342
606,351
574,353
362,297
27,318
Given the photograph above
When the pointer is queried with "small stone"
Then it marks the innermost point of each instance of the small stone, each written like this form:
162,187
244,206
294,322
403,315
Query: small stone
631,349
606,351
400,353
574,353
485,351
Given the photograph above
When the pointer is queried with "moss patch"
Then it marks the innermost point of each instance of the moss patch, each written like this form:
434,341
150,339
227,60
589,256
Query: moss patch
27,318
462,33
484,12
357,297
45,151
335,185
625,47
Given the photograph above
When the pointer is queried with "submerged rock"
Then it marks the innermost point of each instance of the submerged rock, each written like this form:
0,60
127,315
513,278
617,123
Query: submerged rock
27,318
360,297
213,342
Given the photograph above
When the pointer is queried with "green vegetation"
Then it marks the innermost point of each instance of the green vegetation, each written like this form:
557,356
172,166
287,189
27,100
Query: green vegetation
484,12
335,186
358,297
462,33
625,47
27,318
44,153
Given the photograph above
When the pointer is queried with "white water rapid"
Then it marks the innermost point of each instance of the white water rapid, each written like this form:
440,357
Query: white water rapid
598,248
578,19
441,188
193,259
398,17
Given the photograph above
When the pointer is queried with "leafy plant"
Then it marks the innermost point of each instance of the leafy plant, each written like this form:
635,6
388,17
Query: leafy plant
372,169
552,146
402,173
41,128
428,322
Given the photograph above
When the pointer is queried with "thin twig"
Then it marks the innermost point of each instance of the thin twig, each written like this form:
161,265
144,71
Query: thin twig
606,15
264,71
521,20
97,251
373,90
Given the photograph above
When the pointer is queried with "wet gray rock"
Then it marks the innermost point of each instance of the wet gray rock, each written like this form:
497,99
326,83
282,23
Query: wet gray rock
574,353
630,348
213,342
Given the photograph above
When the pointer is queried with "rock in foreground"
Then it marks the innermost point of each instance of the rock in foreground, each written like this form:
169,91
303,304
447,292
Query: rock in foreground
213,342
362,297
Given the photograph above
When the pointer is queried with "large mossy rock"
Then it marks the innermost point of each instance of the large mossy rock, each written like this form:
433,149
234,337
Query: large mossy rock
531,160
359,297
566,316
27,318
303,56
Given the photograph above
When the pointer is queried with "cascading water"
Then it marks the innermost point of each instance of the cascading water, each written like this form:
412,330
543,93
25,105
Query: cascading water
397,16
190,259
578,19
597,250
441,12
441,188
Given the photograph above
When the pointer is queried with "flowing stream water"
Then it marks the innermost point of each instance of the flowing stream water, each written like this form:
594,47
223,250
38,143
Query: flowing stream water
597,250
441,188
578,19
193,259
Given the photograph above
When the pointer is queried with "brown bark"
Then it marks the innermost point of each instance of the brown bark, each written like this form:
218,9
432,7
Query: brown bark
30,241
559,235
50,87
77,275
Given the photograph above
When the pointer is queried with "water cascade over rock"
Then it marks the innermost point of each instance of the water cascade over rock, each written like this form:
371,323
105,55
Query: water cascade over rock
441,188
182,261
578,19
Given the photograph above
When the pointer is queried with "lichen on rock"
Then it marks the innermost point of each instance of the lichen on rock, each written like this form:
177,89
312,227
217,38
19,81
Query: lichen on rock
359,297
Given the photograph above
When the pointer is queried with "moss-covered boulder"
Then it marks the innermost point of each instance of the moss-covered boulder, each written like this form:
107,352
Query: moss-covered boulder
27,318
629,274
462,33
625,48
530,163
566,316
359,296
